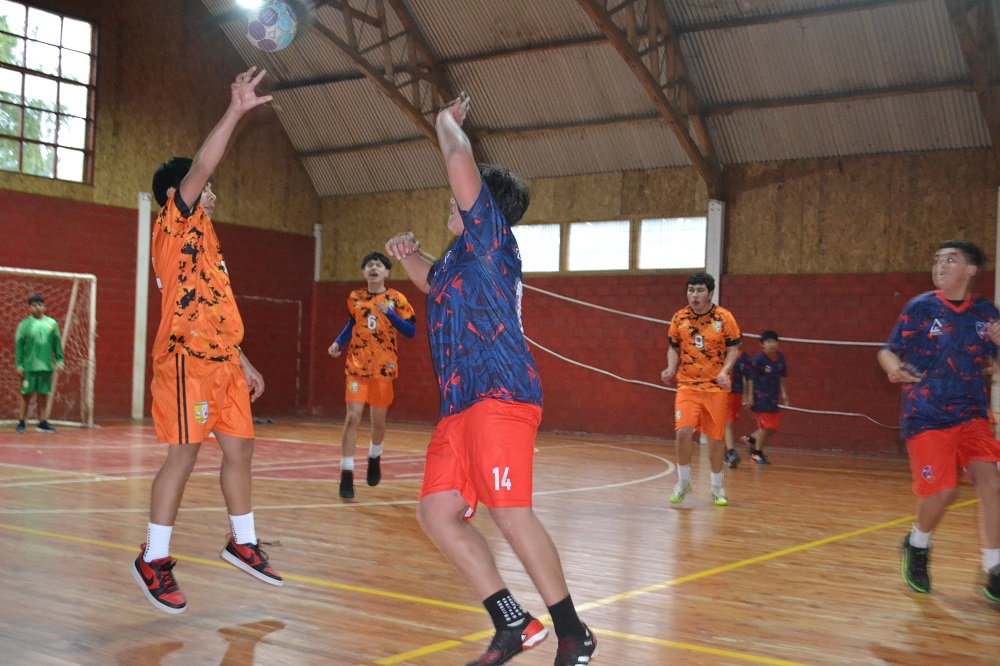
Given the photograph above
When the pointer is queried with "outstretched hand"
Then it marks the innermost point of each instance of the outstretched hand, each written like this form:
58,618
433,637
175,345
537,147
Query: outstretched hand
458,108
402,246
244,95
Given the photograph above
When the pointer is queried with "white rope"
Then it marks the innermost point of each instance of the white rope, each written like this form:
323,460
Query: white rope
667,322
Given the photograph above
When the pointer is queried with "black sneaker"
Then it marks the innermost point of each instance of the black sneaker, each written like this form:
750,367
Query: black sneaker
20,427
576,650
992,586
45,426
346,484
732,459
750,442
509,643
915,566
374,470
758,457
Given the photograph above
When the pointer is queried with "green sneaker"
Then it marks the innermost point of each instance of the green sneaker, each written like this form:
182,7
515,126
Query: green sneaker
719,497
680,490
991,588
915,562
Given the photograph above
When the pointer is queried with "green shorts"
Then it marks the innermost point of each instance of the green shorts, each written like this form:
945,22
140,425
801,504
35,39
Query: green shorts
37,382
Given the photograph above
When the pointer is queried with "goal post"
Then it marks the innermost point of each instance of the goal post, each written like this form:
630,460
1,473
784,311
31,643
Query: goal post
70,299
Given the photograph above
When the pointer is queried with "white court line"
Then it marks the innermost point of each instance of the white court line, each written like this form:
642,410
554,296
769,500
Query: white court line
346,505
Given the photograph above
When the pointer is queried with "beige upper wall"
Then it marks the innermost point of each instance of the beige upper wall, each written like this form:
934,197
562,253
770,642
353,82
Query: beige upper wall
162,84
878,214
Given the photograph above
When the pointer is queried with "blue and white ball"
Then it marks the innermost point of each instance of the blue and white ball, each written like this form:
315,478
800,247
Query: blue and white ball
272,27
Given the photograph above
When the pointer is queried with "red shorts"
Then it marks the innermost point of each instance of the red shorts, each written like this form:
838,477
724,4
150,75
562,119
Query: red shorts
936,455
375,391
192,397
768,420
486,453
734,408
702,410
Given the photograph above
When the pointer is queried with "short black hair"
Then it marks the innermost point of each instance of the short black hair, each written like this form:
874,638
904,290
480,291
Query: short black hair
971,251
378,256
769,335
170,174
36,298
702,278
509,192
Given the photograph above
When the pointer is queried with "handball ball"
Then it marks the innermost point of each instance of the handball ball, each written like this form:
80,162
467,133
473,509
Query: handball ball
271,27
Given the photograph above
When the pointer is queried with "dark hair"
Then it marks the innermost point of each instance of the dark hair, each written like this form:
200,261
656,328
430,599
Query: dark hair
377,256
769,335
36,298
508,191
169,174
971,251
702,278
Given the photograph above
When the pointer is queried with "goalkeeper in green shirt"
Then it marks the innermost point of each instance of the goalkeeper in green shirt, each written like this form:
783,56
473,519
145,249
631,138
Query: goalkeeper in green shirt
38,350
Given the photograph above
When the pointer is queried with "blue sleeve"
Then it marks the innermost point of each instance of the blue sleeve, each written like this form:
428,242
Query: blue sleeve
902,336
407,328
484,225
345,335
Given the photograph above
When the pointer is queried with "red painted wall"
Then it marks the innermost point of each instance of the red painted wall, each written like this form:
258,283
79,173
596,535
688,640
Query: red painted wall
54,234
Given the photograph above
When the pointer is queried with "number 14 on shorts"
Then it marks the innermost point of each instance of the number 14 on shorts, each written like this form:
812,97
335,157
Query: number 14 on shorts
501,480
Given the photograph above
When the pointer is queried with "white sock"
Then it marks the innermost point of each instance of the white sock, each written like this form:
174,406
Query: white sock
157,542
991,557
717,479
243,528
684,473
919,539
347,464
374,450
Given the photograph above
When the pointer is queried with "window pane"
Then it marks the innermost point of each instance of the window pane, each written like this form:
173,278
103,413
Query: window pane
596,246
72,132
69,164
39,125
73,99
44,26
11,50
8,154
40,93
39,160
77,35
539,246
42,58
76,66
10,120
14,15
677,242
10,86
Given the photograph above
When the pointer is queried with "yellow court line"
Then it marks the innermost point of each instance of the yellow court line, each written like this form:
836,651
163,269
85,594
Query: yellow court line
742,656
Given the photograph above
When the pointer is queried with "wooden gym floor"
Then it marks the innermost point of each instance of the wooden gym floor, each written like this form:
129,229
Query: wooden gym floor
801,568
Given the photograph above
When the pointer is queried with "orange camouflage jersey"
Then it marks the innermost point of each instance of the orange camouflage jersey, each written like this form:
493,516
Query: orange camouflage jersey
702,342
372,351
199,316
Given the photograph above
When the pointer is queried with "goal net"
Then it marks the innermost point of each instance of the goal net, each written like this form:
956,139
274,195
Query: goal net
70,299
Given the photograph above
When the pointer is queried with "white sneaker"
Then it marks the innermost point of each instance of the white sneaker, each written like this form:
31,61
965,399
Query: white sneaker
719,497
680,490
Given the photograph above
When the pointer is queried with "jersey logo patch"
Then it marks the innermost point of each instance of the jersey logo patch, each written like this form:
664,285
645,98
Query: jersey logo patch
717,325
981,330
927,473
201,412
937,329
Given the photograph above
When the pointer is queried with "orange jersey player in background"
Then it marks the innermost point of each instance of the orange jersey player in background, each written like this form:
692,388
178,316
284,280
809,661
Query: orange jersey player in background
704,346
376,314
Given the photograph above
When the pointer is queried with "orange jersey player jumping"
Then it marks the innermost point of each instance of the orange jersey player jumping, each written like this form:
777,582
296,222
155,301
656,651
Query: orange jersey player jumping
202,382
376,314
704,345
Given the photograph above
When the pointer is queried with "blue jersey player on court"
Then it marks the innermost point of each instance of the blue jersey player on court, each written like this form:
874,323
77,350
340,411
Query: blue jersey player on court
942,350
491,402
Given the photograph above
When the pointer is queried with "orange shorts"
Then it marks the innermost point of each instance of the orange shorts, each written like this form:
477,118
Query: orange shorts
192,397
375,391
768,420
702,410
734,407
936,455
486,453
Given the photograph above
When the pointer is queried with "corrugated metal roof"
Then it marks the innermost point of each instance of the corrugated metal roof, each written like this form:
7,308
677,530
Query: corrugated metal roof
863,50
414,166
929,121
689,14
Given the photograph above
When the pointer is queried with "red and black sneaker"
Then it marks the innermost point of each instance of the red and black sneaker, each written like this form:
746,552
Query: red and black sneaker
250,558
156,579
576,650
509,643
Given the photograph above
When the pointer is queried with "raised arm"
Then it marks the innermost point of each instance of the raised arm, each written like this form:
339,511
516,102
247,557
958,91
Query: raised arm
243,99
459,161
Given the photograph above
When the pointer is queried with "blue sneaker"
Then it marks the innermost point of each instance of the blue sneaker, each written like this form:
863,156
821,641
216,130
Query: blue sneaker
732,459
44,426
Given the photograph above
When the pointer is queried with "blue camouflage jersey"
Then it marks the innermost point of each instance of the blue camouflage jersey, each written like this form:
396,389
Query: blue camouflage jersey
767,373
474,316
949,347
741,371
